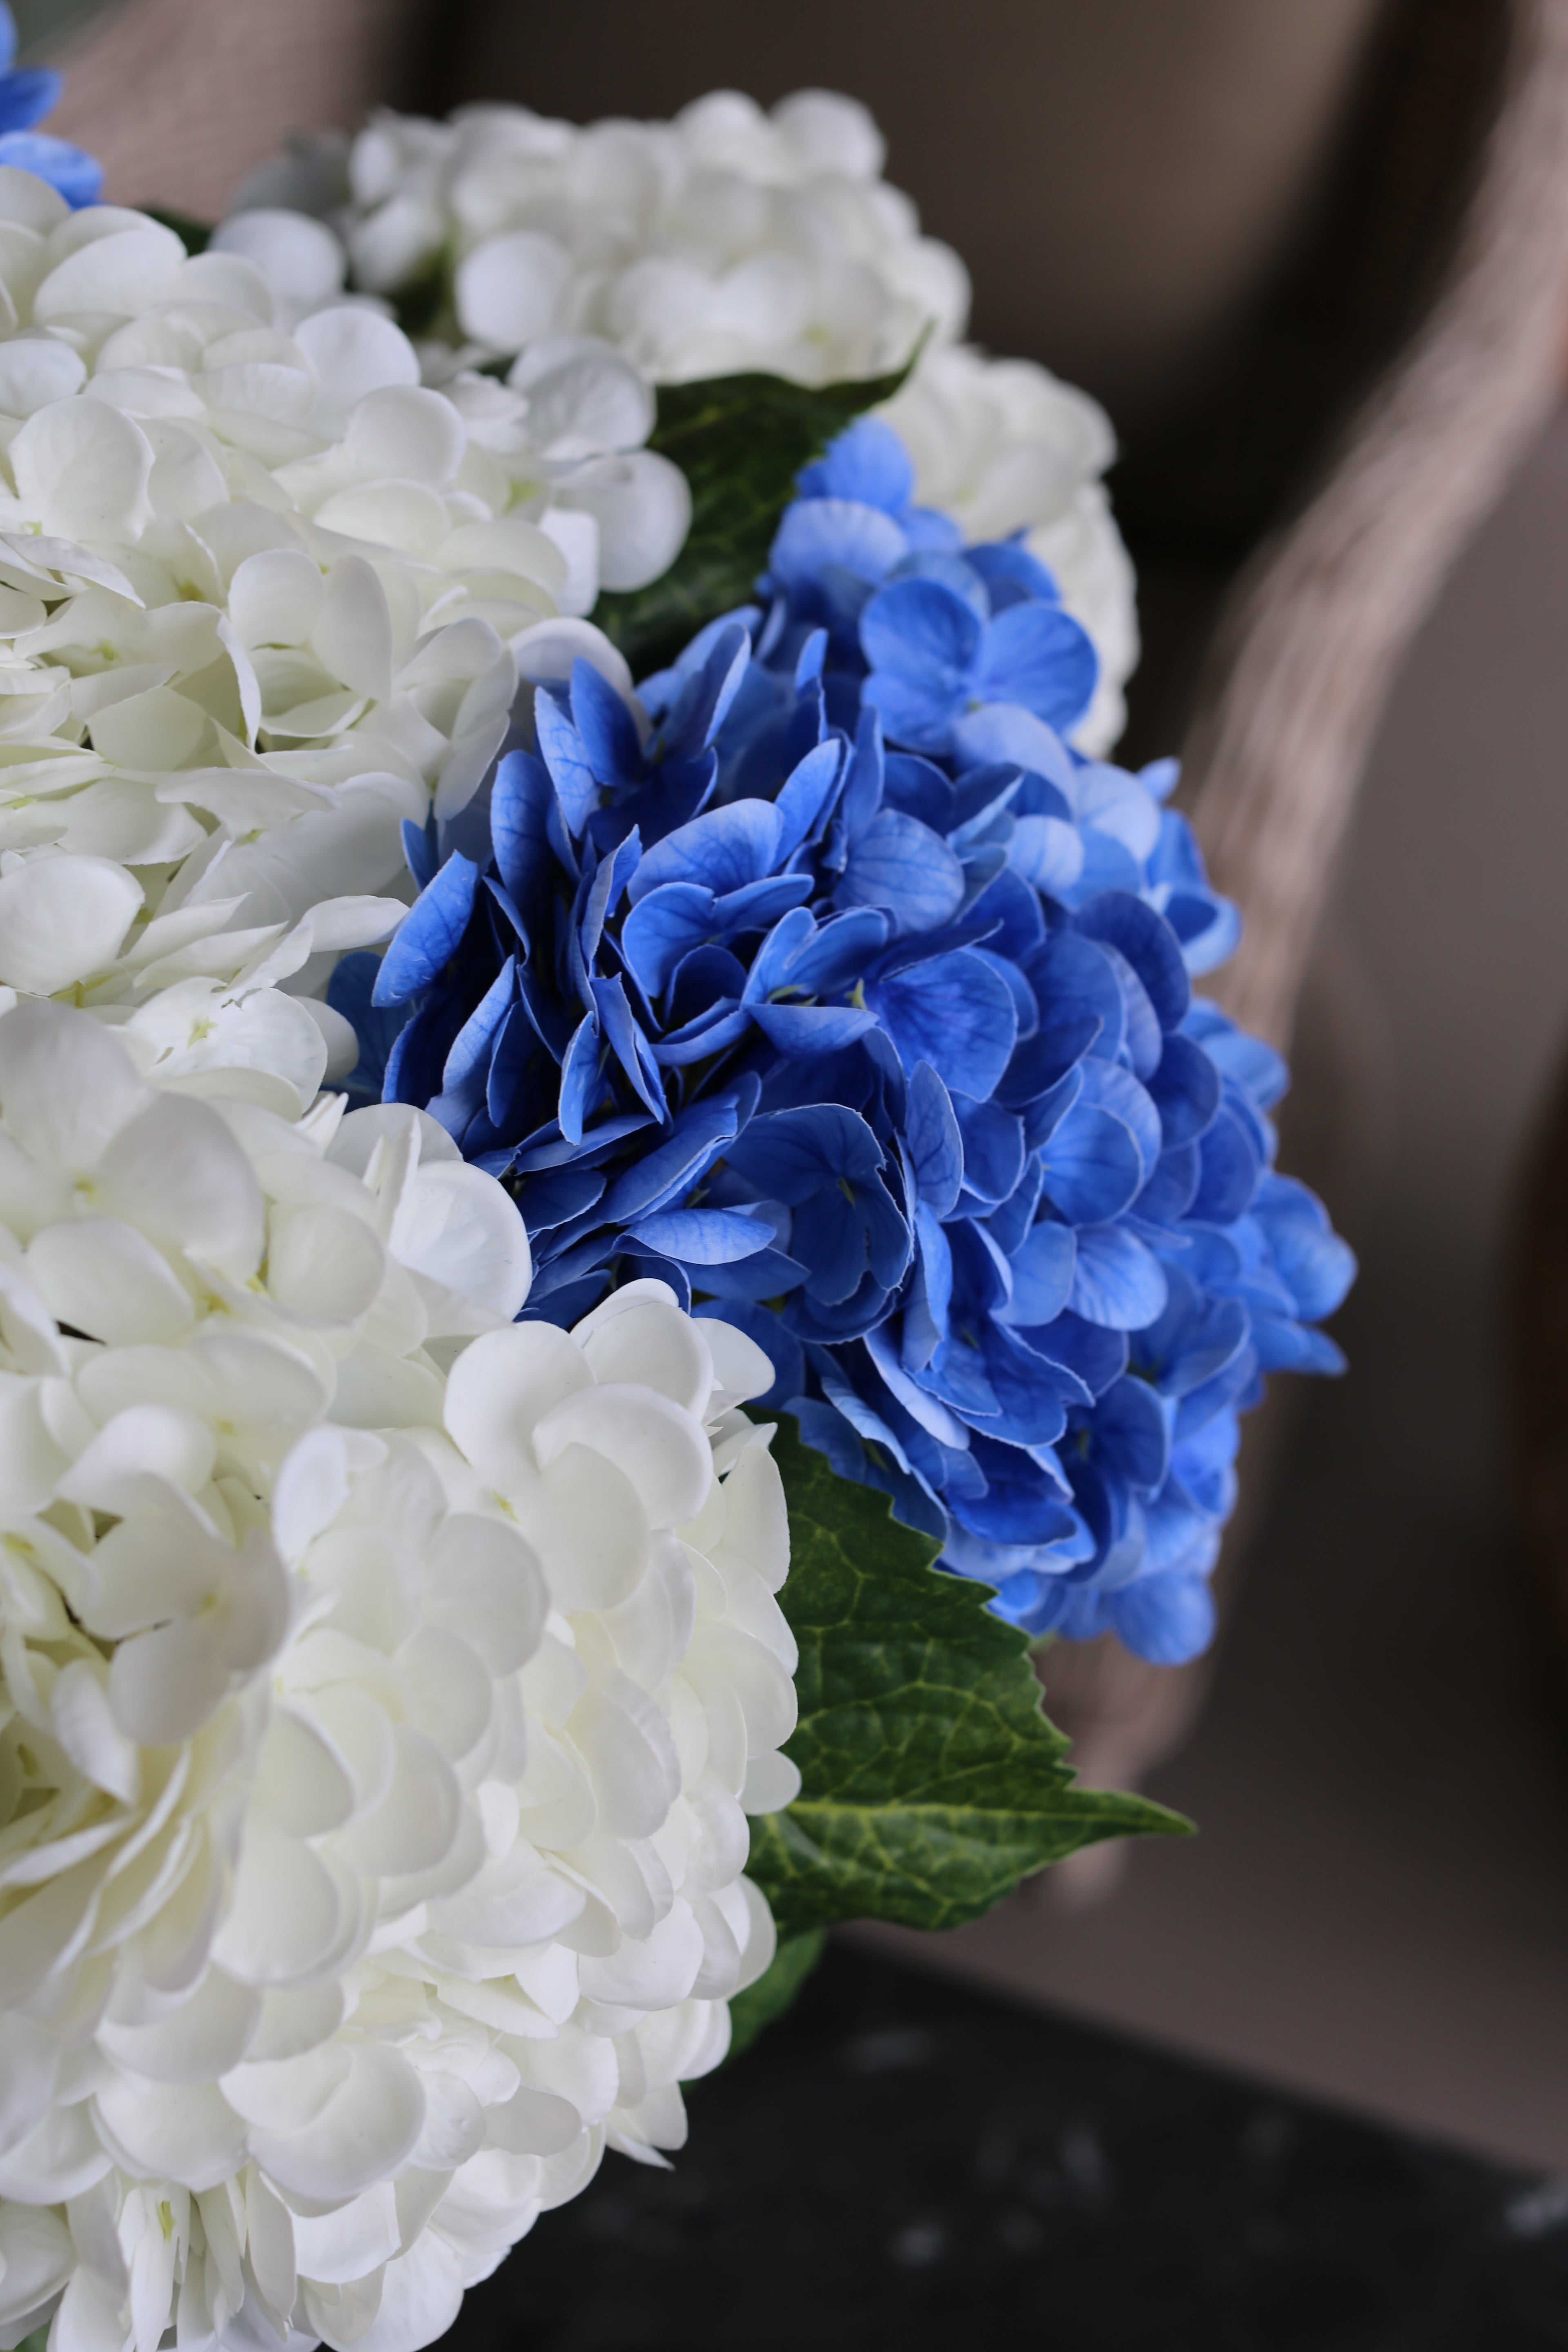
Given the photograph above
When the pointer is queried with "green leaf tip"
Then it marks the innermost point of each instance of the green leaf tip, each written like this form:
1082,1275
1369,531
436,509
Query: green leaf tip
740,440
932,1779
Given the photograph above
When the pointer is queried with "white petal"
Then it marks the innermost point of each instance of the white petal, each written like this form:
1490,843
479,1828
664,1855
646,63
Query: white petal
62,919
324,1263
460,1230
202,2039
507,289
661,1448
102,1277
85,1727
178,1173
300,258
772,1782
34,373
82,470
653,1974
653,1342
275,597
123,273
183,2132
348,2243
500,1387
741,1369
406,433
38,2256
352,351
352,633
364,2134
485,1582
642,504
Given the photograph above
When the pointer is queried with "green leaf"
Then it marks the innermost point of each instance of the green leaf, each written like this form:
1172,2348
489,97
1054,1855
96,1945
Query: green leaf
40,2335
931,1781
766,2001
740,440
194,235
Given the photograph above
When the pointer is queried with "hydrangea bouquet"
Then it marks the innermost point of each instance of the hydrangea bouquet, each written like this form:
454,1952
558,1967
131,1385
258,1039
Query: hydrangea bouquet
560,879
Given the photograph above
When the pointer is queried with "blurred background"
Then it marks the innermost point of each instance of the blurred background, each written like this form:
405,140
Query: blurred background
1238,223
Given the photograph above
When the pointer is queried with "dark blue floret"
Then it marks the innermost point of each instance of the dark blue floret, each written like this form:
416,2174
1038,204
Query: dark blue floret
832,987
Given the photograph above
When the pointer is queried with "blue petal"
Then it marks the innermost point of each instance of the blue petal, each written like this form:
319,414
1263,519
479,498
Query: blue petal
606,727
1118,1282
1040,657
1047,851
1042,1275
1186,1090
629,1044
918,712
805,1031
1166,1619
993,1149
954,1013
566,756
1150,946
520,803
471,1045
852,535
28,95
771,1274
580,1080
707,694
705,1034
805,793
429,934
420,852
1005,731
828,1236
899,863
935,1144
1041,1064
1231,1167
662,928
792,1154
1093,1168
1317,1265
723,849
676,1163
1131,1433
921,631
1011,574
349,992
866,461
703,1236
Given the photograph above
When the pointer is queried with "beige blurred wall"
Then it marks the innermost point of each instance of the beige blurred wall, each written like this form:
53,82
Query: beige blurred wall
179,99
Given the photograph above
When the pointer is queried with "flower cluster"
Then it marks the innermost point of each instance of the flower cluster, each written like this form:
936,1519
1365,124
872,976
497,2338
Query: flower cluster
381,1684
728,240
263,597
827,983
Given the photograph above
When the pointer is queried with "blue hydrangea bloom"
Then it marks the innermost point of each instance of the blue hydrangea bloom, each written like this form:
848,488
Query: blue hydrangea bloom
832,987
27,94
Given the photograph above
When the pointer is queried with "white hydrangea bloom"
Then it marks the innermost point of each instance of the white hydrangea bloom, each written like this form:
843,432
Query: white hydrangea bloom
380,1684
263,598
727,239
